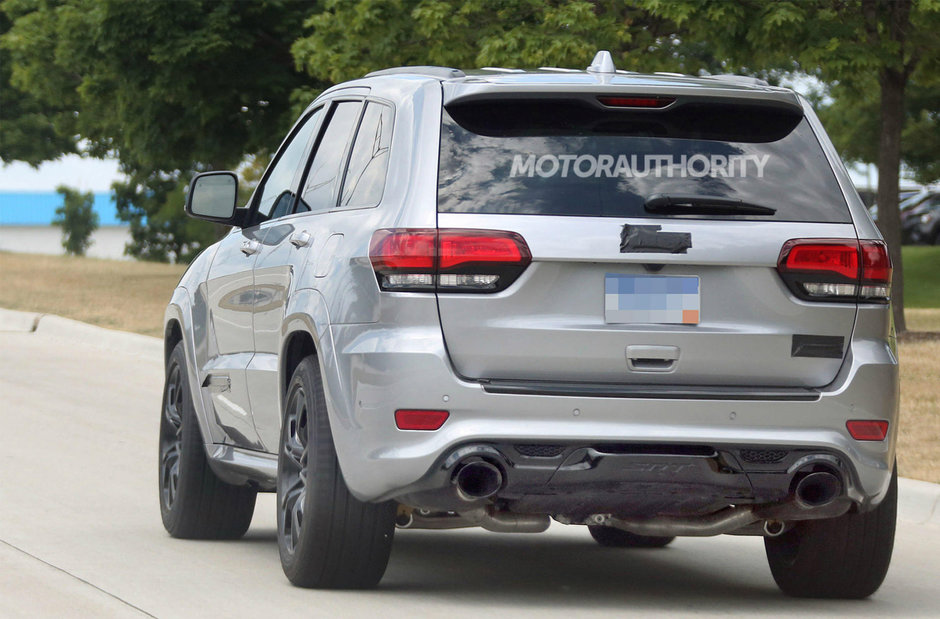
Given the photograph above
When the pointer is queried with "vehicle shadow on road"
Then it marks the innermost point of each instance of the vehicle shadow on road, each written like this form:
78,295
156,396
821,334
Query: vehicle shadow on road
566,570
569,571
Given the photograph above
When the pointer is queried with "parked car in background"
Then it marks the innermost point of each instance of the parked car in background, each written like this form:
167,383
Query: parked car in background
495,299
921,224
907,200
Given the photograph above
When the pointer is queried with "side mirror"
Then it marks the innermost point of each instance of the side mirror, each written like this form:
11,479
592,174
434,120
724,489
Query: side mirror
212,196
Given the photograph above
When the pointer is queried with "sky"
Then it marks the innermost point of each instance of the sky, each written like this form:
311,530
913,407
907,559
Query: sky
81,173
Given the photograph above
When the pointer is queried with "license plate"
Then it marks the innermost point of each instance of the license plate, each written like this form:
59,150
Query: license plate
651,299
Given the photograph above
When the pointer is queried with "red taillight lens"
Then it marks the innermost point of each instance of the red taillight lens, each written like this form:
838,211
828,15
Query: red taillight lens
460,248
829,257
648,102
867,430
836,269
876,271
420,419
404,249
405,259
447,260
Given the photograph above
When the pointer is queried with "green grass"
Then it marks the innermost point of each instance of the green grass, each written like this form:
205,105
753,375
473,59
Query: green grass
921,276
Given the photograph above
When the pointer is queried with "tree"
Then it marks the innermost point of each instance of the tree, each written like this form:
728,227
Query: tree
852,119
78,219
27,127
167,87
864,46
348,39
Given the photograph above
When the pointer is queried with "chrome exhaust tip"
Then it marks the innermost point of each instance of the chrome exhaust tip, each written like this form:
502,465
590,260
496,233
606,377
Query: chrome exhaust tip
774,528
477,480
817,489
404,520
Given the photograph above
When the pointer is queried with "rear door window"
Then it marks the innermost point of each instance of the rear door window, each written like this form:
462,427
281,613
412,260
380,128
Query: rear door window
323,178
573,158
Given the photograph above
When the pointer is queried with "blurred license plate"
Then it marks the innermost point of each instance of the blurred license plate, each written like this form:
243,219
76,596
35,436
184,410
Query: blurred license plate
656,299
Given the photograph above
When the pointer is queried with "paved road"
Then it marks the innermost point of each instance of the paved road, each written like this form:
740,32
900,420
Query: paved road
80,532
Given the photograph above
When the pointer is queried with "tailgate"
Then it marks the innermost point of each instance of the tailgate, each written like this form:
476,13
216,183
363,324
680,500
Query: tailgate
552,323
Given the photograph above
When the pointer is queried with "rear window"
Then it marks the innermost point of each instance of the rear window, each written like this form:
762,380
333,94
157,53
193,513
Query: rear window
575,158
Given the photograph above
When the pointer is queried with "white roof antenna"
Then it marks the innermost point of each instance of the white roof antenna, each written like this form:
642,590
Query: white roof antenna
602,63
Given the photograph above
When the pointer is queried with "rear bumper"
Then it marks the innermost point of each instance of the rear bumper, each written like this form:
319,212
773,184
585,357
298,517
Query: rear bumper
379,370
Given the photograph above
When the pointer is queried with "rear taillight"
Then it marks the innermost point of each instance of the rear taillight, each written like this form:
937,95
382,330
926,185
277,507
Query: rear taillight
447,260
836,270
875,282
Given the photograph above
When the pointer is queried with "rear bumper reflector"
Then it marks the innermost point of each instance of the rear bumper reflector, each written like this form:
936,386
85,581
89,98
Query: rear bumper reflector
867,429
420,419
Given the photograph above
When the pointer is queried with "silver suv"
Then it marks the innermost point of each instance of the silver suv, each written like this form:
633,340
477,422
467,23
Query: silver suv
649,304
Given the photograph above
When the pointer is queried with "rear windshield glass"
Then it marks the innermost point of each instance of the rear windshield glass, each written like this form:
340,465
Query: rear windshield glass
573,158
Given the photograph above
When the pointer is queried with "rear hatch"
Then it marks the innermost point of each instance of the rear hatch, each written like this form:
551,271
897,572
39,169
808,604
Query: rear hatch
655,225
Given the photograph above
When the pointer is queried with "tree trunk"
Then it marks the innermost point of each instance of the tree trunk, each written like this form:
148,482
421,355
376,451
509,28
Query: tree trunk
892,84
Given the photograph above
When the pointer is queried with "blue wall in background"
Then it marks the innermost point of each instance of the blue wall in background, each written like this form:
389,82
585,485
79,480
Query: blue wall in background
25,208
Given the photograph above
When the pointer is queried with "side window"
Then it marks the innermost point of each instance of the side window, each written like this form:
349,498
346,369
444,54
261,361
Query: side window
319,192
365,176
277,196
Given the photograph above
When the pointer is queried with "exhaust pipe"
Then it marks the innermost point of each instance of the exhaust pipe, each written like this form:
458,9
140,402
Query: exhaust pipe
508,522
726,521
817,489
774,528
489,518
477,480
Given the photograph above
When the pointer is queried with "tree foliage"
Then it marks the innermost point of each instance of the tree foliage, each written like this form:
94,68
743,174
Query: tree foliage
78,219
347,39
852,121
28,126
167,87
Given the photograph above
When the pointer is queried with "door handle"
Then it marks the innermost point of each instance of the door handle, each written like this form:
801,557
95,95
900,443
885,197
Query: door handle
250,247
300,239
652,358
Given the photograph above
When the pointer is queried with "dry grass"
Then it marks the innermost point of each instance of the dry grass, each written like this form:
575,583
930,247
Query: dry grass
919,429
922,319
130,296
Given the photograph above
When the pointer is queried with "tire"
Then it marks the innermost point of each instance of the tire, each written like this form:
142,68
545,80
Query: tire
327,538
845,557
613,537
194,503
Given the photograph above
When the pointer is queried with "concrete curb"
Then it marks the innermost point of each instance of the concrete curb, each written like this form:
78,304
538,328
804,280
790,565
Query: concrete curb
918,501
80,333
18,322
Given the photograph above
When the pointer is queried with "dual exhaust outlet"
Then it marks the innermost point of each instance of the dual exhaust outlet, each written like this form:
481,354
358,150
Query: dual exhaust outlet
817,489
477,479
